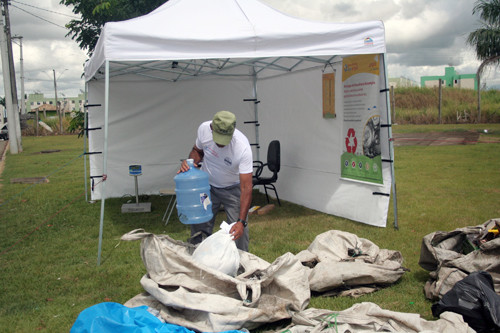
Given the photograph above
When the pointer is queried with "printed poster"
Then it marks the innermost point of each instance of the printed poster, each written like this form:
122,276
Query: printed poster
329,95
361,154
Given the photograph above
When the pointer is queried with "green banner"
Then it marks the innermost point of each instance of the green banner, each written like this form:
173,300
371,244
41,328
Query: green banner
362,168
361,154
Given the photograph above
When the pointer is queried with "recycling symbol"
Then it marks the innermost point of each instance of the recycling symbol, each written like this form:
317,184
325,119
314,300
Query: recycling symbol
351,143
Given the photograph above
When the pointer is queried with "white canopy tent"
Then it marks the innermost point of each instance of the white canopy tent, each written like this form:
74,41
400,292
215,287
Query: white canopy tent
155,78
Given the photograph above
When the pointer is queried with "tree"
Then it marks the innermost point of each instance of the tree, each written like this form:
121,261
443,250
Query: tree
77,124
95,13
486,39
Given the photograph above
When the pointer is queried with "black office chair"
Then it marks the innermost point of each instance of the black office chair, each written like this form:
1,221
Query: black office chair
273,164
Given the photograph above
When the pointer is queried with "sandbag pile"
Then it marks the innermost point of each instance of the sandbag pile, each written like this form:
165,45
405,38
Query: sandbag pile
452,256
369,317
199,297
188,293
343,264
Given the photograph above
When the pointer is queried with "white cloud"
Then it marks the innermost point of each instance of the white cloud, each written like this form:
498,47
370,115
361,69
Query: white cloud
45,47
423,37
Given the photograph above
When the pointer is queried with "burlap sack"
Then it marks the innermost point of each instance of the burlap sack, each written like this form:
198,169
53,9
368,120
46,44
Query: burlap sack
344,264
368,317
201,298
450,257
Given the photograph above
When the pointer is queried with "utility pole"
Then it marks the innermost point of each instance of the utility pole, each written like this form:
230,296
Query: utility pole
58,109
9,78
440,99
15,103
23,100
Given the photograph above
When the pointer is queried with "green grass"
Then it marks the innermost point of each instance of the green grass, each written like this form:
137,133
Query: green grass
49,234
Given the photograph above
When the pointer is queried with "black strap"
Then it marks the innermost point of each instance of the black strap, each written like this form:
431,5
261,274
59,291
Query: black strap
251,100
92,186
91,105
252,122
92,153
385,90
380,193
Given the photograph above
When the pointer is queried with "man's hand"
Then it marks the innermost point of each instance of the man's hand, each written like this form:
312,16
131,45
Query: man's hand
237,230
196,154
185,167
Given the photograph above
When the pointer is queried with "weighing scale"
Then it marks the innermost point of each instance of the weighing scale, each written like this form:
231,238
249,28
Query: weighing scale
137,207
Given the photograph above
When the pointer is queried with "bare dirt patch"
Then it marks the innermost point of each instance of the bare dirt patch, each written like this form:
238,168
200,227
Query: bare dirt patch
436,138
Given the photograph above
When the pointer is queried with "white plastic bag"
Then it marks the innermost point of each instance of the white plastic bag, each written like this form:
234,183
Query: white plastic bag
218,251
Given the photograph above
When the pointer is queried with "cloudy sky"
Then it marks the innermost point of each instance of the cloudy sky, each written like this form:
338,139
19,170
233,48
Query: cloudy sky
423,37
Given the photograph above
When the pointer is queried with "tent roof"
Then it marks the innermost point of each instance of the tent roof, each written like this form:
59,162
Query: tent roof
235,32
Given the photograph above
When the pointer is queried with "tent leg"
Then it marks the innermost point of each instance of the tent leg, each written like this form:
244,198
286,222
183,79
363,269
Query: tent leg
104,161
256,113
85,138
391,147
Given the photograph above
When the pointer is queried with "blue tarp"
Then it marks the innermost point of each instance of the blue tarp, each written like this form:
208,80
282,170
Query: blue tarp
115,317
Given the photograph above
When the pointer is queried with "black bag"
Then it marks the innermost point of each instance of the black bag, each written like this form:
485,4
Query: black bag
475,299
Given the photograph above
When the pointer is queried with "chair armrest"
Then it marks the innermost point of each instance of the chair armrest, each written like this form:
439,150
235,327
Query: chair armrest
259,166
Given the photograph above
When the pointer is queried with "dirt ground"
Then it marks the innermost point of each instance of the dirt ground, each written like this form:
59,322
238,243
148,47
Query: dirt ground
436,138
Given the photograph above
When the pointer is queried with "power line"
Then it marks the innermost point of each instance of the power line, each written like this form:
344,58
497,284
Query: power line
38,17
47,10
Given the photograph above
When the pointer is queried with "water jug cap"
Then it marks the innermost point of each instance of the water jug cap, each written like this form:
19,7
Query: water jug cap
190,161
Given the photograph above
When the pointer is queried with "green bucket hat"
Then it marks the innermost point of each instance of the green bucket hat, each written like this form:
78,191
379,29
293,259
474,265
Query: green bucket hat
223,126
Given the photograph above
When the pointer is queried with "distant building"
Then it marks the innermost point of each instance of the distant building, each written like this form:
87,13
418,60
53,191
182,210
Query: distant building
44,107
67,104
450,79
402,82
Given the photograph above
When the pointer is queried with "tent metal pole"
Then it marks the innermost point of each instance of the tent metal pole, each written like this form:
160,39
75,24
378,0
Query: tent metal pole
85,137
391,146
104,160
256,112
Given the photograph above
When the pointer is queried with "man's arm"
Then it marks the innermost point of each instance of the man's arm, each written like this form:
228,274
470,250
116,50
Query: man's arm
245,202
196,154
246,194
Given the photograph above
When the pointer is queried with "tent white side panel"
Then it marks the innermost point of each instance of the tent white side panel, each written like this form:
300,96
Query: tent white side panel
154,124
311,148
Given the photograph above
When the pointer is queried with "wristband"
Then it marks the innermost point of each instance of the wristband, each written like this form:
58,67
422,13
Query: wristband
244,222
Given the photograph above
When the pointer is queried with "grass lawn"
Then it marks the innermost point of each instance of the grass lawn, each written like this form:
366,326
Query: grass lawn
49,233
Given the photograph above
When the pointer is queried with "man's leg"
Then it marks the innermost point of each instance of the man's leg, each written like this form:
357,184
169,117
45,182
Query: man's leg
230,197
205,229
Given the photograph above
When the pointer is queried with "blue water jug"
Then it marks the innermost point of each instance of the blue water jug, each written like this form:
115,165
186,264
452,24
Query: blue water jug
193,195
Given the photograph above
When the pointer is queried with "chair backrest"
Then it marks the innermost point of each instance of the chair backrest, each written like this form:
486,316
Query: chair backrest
274,156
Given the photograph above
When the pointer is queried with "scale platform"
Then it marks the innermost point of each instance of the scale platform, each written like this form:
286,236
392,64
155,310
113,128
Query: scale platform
137,207
141,207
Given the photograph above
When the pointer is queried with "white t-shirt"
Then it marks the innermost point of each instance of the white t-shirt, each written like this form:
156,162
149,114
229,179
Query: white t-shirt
225,164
